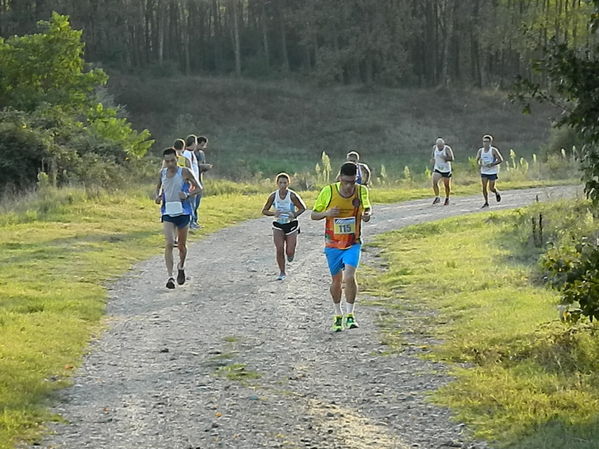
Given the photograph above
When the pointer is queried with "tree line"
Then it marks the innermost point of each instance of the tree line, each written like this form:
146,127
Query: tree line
410,43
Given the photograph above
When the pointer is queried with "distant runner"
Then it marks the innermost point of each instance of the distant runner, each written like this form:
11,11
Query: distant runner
442,157
172,192
489,158
344,205
200,154
287,207
363,175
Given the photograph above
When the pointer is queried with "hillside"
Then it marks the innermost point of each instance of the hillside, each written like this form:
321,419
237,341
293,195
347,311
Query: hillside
272,126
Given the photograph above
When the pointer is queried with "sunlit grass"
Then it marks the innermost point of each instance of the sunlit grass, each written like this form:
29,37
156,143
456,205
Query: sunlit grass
58,250
529,381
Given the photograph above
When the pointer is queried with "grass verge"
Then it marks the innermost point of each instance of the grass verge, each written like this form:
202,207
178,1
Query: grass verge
522,378
59,249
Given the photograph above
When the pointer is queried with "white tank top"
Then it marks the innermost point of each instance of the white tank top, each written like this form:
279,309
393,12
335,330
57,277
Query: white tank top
487,157
285,206
441,164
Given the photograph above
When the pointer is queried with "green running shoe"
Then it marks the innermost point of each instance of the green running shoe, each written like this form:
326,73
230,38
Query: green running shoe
350,321
337,323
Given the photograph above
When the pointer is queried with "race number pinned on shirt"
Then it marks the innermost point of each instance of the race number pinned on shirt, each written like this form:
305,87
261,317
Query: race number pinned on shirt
345,226
173,208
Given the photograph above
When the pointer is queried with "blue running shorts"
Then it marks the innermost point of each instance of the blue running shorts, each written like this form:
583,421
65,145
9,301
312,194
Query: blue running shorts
339,258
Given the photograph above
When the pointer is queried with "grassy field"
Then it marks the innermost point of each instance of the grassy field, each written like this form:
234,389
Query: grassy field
522,378
268,127
59,249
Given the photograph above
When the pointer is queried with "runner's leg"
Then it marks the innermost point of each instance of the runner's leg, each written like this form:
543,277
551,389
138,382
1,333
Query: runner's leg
336,291
485,182
182,245
447,184
291,244
279,239
168,229
436,178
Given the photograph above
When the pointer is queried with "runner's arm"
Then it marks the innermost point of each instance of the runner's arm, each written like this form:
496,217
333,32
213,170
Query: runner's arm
299,203
478,160
366,174
365,200
157,194
266,209
498,157
319,211
189,176
448,154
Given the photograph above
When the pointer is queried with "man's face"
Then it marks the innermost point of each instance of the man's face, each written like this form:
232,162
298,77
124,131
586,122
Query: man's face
440,144
170,160
486,143
202,145
352,158
347,181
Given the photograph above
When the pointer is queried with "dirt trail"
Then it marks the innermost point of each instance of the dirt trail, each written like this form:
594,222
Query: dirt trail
150,381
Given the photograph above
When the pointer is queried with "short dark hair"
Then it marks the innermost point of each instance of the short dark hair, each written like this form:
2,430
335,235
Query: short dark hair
348,169
202,139
179,144
191,140
169,150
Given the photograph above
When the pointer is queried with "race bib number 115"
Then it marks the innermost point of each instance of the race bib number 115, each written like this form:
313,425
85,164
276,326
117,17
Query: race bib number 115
345,226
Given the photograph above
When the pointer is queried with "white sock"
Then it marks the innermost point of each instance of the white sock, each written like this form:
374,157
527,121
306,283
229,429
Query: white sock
349,307
338,308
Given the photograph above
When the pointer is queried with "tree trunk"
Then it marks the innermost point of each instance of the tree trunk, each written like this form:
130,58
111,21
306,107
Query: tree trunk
236,43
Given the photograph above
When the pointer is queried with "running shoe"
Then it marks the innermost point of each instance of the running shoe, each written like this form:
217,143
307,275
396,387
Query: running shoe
170,283
281,277
437,200
485,205
446,203
350,321
180,276
498,197
337,323
290,258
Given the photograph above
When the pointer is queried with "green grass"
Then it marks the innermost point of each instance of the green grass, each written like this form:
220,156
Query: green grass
60,248
56,261
523,378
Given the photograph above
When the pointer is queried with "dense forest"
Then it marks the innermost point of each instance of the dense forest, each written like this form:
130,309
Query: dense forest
403,43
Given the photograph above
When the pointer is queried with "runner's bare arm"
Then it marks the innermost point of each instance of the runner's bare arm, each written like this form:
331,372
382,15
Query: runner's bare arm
478,160
157,194
189,176
266,209
366,174
449,154
204,167
299,204
498,157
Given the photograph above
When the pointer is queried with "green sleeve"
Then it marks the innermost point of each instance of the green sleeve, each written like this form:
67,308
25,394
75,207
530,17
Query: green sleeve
323,200
364,197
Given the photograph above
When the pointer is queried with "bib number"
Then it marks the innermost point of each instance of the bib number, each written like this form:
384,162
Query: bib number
345,226
173,208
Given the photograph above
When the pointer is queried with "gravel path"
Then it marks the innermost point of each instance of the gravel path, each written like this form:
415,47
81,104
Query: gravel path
157,378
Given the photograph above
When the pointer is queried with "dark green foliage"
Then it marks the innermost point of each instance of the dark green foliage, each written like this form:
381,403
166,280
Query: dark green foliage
478,43
574,270
573,85
52,121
